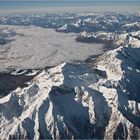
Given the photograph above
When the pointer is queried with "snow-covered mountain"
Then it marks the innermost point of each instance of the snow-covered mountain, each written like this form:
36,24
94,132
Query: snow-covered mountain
69,22
70,100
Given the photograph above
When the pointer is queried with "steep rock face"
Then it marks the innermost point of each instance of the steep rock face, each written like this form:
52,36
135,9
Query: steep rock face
76,101
56,104
123,79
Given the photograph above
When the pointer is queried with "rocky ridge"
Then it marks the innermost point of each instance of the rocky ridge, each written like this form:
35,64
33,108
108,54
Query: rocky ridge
77,100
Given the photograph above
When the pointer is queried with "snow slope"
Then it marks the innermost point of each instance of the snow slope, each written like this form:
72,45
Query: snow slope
77,101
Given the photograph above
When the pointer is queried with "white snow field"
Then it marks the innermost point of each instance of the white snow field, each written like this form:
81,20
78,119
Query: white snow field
35,47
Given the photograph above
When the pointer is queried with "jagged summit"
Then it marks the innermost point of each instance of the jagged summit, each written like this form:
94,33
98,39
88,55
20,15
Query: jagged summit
77,101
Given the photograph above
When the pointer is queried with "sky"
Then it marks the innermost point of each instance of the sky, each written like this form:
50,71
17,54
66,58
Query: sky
79,0
70,0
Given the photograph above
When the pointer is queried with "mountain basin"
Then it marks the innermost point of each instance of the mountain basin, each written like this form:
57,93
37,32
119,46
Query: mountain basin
35,47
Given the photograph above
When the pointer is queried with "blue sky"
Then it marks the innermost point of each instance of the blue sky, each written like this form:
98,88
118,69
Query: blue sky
70,0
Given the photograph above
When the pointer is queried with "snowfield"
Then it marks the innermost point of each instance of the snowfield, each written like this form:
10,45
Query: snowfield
35,47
